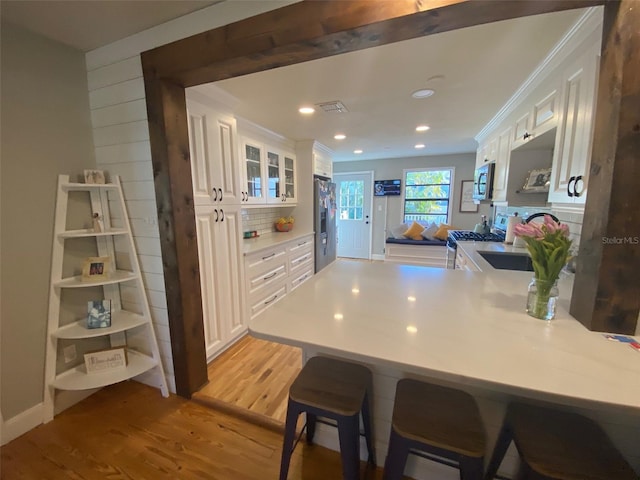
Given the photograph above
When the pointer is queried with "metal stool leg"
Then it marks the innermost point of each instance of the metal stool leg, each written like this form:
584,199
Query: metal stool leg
349,435
311,427
471,468
368,434
289,438
396,457
502,444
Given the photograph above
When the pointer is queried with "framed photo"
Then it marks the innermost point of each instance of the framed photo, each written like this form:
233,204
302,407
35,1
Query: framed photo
537,180
467,205
109,360
99,313
96,269
95,177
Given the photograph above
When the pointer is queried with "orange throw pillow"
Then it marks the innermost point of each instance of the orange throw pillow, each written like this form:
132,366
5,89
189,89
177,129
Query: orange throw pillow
414,231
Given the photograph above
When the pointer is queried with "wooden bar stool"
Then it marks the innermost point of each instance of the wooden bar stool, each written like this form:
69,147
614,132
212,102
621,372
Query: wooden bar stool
440,421
337,390
558,445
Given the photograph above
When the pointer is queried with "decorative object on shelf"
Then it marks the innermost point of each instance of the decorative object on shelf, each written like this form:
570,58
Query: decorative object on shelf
106,360
466,198
97,223
99,313
94,177
96,269
285,224
537,181
549,246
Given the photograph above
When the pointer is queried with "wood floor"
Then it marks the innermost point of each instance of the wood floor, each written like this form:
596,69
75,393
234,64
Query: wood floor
253,375
128,431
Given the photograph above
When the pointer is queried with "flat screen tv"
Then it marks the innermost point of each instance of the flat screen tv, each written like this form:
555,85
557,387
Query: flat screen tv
382,188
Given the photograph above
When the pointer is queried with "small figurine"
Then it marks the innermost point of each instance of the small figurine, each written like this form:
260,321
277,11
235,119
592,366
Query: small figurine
97,223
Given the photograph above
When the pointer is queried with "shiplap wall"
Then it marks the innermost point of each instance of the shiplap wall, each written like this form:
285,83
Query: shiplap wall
121,139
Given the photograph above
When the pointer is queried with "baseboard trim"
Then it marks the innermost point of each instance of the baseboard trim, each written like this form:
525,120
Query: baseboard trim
377,256
21,423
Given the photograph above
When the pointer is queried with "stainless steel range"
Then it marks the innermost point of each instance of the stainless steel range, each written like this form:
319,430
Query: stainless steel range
467,236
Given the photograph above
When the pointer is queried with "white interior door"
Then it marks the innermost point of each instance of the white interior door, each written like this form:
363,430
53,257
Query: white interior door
354,192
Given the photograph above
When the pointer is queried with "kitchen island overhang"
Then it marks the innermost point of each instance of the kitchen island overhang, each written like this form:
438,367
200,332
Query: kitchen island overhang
459,328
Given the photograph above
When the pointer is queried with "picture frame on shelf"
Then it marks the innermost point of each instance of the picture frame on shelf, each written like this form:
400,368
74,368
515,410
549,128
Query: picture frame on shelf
96,269
108,360
99,313
467,205
537,180
94,177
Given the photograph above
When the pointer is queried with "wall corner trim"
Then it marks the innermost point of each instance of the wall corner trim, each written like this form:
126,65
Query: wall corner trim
21,423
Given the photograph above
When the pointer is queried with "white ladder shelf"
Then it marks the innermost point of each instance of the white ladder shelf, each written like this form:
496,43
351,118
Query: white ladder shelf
132,330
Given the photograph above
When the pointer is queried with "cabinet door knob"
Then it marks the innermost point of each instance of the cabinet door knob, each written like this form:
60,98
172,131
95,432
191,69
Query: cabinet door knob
526,135
217,215
220,190
222,214
215,190
569,191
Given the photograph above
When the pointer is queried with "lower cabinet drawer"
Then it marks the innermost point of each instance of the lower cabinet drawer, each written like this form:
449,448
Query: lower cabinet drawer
300,261
260,262
297,280
264,280
260,303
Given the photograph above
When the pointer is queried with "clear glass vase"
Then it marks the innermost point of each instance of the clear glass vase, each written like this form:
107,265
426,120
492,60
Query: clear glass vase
542,297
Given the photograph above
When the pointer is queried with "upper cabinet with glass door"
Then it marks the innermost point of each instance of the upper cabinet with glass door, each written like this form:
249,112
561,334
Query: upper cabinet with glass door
253,157
281,177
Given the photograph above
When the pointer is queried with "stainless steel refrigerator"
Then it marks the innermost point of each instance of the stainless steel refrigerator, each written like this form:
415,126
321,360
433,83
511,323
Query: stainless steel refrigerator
324,221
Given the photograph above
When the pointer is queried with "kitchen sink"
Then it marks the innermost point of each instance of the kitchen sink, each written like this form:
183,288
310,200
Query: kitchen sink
508,261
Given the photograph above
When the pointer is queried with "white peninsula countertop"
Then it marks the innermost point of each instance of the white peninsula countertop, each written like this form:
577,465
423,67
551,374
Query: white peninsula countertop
256,244
464,327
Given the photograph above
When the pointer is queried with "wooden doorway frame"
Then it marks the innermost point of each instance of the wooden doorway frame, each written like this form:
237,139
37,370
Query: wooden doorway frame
296,33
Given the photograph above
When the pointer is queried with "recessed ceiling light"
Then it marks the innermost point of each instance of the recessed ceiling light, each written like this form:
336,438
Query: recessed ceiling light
419,145
358,152
306,110
423,93
338,316
422,128
339,136
412,329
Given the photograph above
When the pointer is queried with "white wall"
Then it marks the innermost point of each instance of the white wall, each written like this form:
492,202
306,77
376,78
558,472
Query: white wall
121,135
387,211
46,131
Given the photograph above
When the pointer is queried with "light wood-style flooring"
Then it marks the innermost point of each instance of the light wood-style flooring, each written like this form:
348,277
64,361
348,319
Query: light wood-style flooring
128,431
253,376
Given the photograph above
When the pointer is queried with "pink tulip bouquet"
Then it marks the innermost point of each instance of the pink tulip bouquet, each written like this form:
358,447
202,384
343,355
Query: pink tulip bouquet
548,244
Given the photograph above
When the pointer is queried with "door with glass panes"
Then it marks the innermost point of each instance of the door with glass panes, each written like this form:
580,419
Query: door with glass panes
354,214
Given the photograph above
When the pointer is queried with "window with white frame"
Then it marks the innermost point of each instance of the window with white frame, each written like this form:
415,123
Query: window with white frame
427,195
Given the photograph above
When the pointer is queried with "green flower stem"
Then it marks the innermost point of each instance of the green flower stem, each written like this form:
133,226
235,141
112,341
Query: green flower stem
543,292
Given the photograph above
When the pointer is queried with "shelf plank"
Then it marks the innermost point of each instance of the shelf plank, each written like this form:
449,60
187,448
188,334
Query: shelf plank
121,320
87,186
90,233
116,277
78,379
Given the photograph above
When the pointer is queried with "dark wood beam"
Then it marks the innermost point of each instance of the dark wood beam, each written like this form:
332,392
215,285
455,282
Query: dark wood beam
606,293
310,30
299,32
166,111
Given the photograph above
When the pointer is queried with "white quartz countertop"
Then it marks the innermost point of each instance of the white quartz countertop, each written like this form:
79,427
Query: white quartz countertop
251,245
466,327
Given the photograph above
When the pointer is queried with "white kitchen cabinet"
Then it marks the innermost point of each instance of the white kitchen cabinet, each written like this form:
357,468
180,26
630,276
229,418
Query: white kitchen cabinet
501,173
75,287
463,262
572,153
487,152
215,167
280,176
253,172
273,272
221,275
537,117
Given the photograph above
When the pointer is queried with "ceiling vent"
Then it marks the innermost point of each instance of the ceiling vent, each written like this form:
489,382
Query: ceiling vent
335,106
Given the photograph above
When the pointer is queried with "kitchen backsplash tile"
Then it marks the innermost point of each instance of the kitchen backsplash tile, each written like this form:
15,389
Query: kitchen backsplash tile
263,219
572,219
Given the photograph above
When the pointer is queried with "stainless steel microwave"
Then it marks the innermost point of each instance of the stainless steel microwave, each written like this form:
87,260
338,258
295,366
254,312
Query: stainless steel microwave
483,182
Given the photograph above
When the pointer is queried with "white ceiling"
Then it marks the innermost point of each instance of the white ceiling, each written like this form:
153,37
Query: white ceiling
474,71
